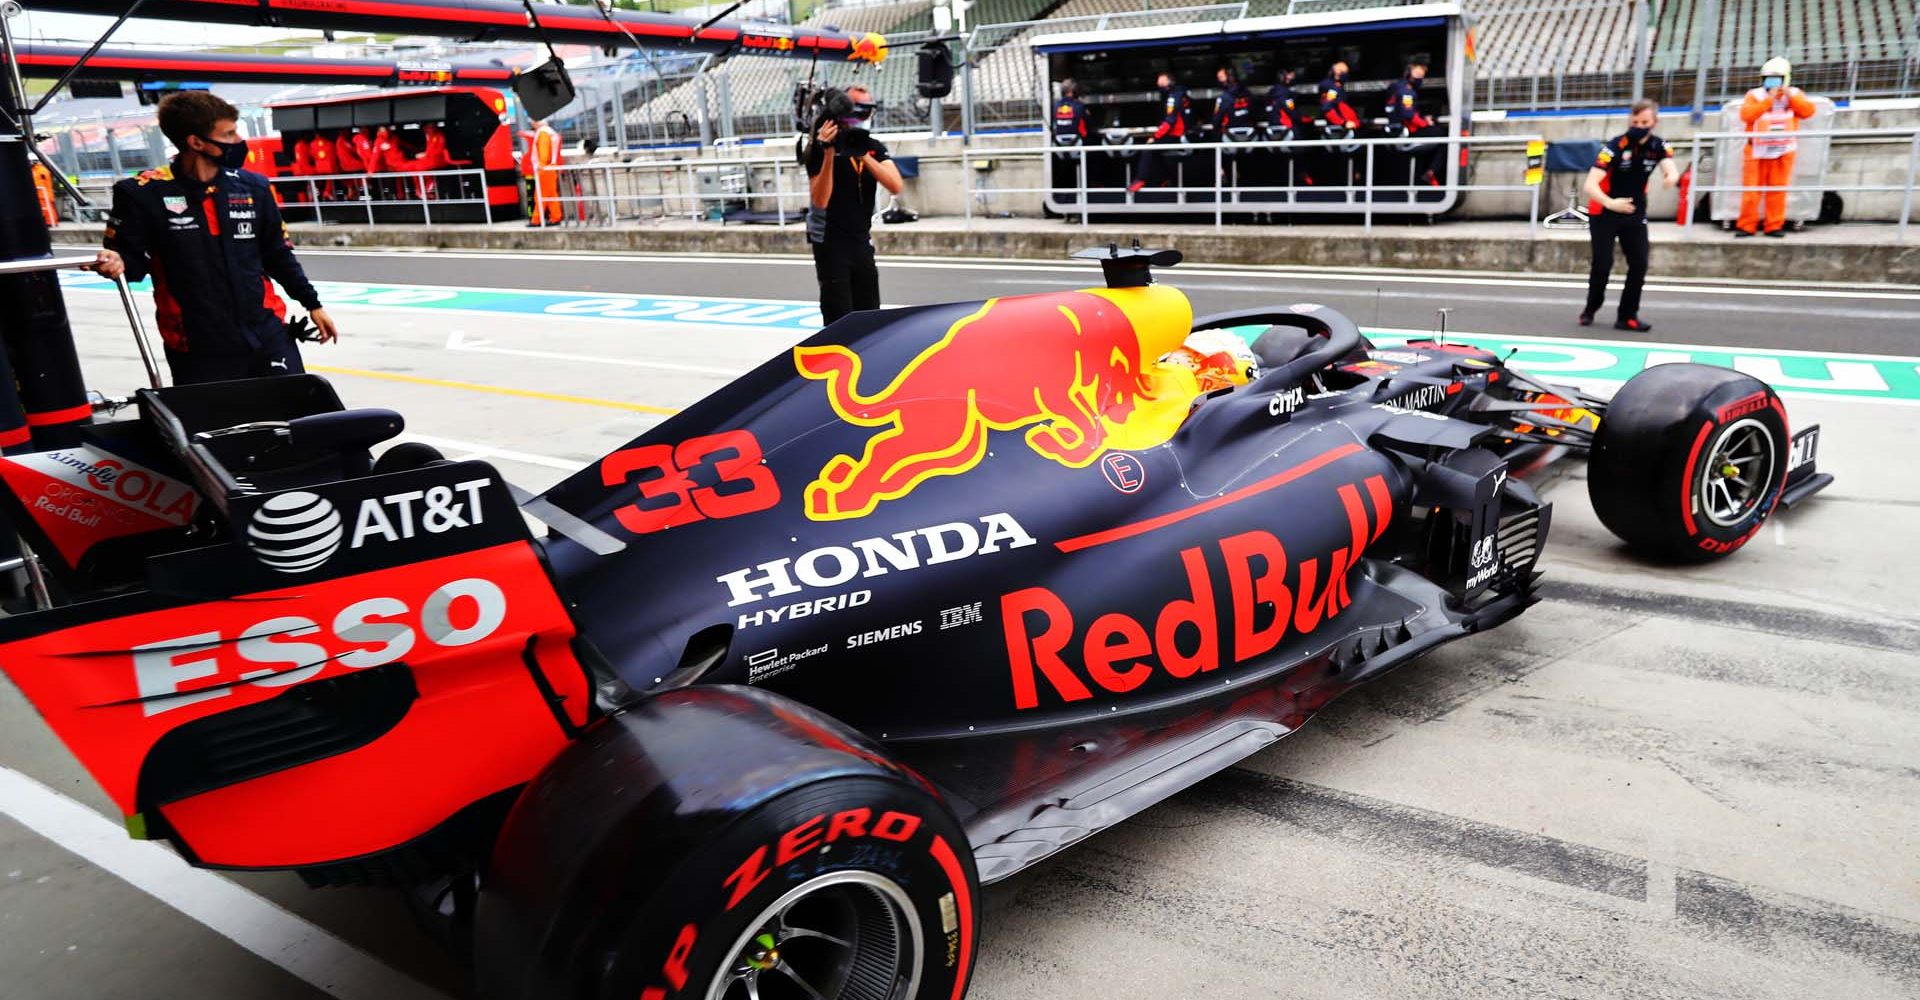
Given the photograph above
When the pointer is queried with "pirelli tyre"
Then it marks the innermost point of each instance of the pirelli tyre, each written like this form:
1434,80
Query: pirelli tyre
735,846
849,889
1689,461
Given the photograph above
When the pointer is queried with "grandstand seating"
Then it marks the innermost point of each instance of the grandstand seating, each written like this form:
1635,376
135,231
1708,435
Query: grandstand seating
1813,30
1531,38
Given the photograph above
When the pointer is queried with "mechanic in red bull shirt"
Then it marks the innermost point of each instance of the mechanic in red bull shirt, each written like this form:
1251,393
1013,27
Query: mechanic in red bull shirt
1282,118
210,235
1072,126
1405,120
1334,109
1177,109
1071,122
1236,118
1235,107
1283,125
1626,163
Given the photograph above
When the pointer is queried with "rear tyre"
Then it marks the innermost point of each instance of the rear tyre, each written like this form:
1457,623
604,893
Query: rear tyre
856,888
405,456
1689,461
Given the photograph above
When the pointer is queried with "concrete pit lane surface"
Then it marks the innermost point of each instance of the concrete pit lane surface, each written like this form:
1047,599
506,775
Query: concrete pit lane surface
1660,782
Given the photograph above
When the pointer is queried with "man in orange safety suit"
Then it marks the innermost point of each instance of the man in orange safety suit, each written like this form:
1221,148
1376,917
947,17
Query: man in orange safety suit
543,183
1772,112
43,187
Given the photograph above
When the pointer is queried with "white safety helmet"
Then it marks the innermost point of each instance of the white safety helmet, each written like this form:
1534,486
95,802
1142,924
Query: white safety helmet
1780,67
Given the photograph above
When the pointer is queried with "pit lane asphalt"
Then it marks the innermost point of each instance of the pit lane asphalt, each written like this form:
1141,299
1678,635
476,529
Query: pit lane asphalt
1686,782
1869,319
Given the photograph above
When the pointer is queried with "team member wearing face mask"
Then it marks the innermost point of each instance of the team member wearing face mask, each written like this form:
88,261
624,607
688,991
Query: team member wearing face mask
845,165
210,235
1337,121
1407,121
1772,112
1175,123
1626,163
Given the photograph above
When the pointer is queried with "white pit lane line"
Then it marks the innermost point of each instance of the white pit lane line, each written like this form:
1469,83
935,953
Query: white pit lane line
303,949
462,450
1701,286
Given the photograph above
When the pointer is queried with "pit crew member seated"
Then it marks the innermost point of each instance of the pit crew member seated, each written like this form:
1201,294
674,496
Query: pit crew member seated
1234,111
210,235
1334,109
1337,121
1175,123
1071,123
1236,118
1405,120
1283,124
1072,126
1626,163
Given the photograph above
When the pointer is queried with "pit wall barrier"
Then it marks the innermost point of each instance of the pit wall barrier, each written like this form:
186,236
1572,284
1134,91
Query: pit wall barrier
1867,164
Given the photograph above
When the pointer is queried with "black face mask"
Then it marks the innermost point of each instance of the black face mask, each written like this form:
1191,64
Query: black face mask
1637,135
233,155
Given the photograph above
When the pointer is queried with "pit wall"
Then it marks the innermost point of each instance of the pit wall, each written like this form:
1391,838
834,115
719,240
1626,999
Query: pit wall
938,189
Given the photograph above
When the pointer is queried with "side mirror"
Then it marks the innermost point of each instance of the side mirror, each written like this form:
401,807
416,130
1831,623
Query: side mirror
936,69
544,89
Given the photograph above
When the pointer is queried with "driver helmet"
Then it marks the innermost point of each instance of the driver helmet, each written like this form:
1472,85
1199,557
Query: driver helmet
1776,72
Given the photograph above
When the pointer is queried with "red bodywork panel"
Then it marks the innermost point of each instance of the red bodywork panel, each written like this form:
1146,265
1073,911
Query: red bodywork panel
482,634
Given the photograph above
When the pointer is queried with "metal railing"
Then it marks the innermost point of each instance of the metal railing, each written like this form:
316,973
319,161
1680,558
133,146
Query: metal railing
1821,183
1222,197
389,182
607,194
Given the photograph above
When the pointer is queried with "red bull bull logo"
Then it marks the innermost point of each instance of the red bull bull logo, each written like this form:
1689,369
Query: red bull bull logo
1077,370
869,48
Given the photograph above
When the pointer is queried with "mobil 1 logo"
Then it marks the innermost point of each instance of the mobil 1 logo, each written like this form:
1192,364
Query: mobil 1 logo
334,529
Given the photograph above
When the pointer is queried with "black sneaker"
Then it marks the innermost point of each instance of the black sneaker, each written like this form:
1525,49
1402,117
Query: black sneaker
1741,234
1636,325
1586,319
1778,234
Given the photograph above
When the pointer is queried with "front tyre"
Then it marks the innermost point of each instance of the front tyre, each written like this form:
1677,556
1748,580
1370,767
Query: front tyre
1689,461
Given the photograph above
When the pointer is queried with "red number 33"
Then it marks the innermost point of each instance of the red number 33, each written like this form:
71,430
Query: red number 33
670,494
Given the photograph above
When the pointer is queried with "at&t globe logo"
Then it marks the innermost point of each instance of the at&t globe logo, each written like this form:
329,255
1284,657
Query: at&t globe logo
295,532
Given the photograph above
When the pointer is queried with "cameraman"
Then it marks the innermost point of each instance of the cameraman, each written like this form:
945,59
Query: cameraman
844,165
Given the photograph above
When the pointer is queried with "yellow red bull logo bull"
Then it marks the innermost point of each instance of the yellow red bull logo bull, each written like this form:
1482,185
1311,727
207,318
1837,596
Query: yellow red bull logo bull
869,48
1078,370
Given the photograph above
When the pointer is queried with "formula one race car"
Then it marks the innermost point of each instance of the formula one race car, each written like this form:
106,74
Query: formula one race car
936,594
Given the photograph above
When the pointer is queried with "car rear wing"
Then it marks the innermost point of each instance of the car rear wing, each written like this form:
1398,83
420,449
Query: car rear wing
356,663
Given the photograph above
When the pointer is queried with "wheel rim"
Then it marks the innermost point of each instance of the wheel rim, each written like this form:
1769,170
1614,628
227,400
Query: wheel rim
1739,468
847,935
